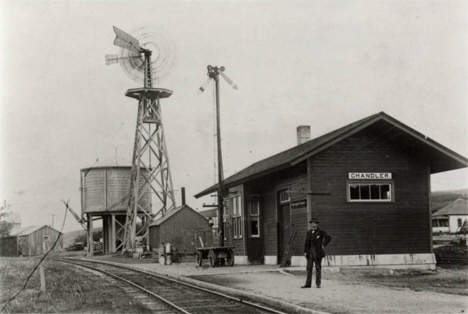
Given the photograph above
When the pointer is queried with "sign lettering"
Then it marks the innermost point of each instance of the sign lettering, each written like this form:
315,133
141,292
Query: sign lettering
370,175
299,203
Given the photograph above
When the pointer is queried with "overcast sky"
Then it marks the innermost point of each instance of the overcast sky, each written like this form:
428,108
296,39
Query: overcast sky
322,63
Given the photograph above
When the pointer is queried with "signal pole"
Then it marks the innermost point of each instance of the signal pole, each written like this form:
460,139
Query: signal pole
213,72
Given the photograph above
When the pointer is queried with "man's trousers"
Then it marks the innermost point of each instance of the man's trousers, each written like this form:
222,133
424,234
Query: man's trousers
312,259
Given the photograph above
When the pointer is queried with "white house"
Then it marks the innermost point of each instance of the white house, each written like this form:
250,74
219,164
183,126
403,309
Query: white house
451,217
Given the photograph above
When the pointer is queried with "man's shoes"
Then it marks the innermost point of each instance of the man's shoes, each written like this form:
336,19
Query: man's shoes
305,287
318,287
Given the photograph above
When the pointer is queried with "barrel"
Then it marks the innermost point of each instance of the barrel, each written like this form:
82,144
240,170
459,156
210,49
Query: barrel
161,258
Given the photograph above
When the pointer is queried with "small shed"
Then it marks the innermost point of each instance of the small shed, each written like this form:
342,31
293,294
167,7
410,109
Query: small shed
181,227
31,241
450,218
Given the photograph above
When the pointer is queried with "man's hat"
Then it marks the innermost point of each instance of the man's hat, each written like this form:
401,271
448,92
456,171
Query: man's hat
314,220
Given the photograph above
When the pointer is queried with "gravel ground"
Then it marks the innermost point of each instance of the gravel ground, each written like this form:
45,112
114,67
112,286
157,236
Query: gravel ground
341,296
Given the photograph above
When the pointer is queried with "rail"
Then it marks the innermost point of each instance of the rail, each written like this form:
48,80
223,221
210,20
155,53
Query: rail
183,297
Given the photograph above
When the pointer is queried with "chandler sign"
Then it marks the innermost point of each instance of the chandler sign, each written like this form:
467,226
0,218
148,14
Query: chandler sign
370,175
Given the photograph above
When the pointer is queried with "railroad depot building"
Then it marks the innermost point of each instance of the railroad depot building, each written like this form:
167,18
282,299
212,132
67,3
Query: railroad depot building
368,183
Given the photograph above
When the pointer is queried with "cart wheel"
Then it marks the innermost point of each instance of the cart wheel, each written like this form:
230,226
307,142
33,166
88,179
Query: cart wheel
230,258
213,258
199,259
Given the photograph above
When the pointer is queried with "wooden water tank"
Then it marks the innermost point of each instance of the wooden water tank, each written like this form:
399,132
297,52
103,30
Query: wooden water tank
106,189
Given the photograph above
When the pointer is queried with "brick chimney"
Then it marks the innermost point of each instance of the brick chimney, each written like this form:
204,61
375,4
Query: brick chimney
303,134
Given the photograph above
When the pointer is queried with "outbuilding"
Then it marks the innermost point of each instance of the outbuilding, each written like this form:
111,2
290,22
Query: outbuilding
182,227
368,183
31,241
450,218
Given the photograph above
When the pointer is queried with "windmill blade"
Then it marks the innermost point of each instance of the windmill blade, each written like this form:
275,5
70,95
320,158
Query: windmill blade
126,41
203,87
233,85
112,59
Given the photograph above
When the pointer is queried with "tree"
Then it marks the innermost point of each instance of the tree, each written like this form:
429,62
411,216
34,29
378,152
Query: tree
5,226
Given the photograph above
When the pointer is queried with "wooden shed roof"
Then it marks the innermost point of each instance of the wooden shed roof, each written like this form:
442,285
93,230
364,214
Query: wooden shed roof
28,231
440,158
171,213
31,229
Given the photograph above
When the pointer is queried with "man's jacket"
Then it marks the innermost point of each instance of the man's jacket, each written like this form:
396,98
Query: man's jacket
318,240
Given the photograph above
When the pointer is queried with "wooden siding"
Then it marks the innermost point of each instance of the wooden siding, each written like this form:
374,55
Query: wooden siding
181,230
294,178
254,247
8,246
396,227
107,189
32,244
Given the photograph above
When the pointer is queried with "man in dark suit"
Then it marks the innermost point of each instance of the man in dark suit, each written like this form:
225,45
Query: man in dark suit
316,240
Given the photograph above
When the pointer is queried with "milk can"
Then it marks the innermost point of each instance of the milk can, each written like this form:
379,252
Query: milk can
162,258
168,254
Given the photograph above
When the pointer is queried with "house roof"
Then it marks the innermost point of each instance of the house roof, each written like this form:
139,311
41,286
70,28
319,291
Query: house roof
457,207
171,213
440,157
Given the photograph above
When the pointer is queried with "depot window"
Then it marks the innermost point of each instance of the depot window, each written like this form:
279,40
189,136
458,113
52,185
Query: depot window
370,192
236,203
254,211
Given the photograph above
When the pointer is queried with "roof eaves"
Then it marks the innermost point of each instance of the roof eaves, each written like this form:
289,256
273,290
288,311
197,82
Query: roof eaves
428,141
244,179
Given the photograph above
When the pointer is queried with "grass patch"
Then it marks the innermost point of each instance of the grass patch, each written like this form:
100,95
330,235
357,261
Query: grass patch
452,251
69,289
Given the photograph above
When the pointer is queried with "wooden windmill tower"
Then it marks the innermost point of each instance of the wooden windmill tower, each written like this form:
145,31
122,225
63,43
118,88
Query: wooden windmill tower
146,57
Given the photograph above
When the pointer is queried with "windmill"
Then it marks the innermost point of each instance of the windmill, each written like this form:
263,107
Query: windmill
146,57
213,75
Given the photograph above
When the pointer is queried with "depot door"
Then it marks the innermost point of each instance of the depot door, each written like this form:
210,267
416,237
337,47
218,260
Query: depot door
284,223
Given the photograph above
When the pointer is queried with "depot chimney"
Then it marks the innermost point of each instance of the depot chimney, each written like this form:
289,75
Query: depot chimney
303,134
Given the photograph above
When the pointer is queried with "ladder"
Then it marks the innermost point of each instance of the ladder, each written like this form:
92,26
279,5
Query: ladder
286,260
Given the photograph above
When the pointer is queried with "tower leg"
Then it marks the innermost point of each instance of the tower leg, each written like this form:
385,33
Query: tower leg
90,236
105,235
112,235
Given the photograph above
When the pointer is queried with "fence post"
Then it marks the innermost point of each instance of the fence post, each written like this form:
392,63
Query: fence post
41,269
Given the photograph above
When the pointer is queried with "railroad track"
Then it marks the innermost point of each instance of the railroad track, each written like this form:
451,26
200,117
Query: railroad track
166,295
